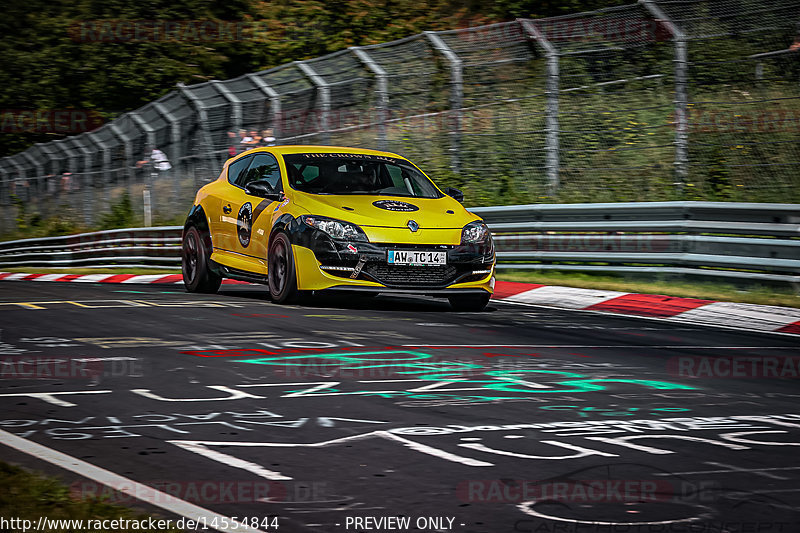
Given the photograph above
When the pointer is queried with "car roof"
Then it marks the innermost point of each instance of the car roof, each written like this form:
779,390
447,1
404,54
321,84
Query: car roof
303,148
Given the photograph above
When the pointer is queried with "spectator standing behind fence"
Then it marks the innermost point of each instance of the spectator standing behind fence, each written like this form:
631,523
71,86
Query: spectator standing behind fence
244,141
266,138
67,184
157,159
158,163
231,143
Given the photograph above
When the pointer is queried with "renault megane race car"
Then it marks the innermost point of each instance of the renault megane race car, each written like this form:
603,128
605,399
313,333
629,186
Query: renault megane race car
313,218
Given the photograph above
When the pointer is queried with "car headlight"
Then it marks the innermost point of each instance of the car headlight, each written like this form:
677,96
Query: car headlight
475,232
337,229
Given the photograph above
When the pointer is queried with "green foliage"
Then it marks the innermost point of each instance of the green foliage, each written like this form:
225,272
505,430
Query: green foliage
29,496
121,214
48,60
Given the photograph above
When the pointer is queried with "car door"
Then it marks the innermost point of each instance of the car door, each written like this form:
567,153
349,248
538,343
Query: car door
222,215
254,214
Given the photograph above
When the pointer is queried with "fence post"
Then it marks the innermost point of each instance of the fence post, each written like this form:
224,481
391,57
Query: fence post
236,104
87,166
174,132
552,91
126,142
150,140
5,201
681,93
274,103
456,96
35,181
324,95
381,92
202,118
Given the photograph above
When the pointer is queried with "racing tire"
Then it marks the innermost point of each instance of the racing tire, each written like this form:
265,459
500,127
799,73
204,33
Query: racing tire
469,302
281,273
197,276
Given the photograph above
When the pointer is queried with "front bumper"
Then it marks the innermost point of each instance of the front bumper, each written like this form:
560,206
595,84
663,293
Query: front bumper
323,263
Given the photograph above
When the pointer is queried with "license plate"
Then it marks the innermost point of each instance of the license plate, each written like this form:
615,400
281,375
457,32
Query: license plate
416,257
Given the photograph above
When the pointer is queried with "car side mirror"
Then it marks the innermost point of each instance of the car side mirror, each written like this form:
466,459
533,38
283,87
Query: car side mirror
454,193
263,189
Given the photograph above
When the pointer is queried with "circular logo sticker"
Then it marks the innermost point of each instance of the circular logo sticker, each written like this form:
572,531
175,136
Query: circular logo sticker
243,223
395,205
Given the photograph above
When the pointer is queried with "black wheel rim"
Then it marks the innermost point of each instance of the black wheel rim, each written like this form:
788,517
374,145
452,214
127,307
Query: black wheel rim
278,267
190,257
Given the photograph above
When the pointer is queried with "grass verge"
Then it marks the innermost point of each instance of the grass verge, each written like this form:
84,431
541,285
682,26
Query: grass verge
28,496
705,290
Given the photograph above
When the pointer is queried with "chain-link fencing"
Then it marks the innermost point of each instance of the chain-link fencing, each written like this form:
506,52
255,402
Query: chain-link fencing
659,100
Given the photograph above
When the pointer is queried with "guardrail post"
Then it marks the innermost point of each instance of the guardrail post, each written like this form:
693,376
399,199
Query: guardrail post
381,92
456,96
324,98
274,102
681,92
552,91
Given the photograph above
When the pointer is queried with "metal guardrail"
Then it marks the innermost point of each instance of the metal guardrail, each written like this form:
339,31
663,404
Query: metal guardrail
154,247
712,239
759,242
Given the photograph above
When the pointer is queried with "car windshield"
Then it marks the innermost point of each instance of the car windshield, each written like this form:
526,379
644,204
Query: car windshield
357,174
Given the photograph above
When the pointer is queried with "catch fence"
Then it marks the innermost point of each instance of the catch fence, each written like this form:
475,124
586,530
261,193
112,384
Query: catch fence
658,100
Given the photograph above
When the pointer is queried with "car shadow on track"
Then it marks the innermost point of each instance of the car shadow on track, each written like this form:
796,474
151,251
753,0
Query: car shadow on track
383,302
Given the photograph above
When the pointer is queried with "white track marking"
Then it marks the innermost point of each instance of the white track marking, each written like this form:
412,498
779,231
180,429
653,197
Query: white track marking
226,459
49,277
663,347
145,278
669,320
16,276
758,317
92,278
564,297
120,483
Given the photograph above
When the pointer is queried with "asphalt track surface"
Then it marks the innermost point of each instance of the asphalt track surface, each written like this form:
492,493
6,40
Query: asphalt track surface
338,414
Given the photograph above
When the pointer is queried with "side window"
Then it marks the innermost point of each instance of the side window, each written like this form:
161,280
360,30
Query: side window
397,176
262,167
237,169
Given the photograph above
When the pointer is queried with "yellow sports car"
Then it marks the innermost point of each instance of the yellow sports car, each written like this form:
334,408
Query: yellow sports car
312,218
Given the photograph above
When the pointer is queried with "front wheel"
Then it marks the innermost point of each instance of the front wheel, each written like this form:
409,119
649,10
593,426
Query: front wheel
197,277
281,272
469,302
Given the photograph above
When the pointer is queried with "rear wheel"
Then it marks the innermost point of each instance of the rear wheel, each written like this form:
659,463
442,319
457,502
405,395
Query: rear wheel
469,302
281,272
197,277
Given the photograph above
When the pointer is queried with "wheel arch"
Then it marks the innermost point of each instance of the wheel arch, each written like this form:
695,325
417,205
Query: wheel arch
285,222
197,218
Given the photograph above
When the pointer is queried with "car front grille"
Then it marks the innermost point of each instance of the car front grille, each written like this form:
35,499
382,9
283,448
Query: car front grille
410,276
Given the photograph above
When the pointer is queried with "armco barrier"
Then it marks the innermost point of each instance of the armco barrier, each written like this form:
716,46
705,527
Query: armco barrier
155,247
723,240
714,239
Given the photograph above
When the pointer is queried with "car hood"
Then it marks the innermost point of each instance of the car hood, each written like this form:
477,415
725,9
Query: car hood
439,213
